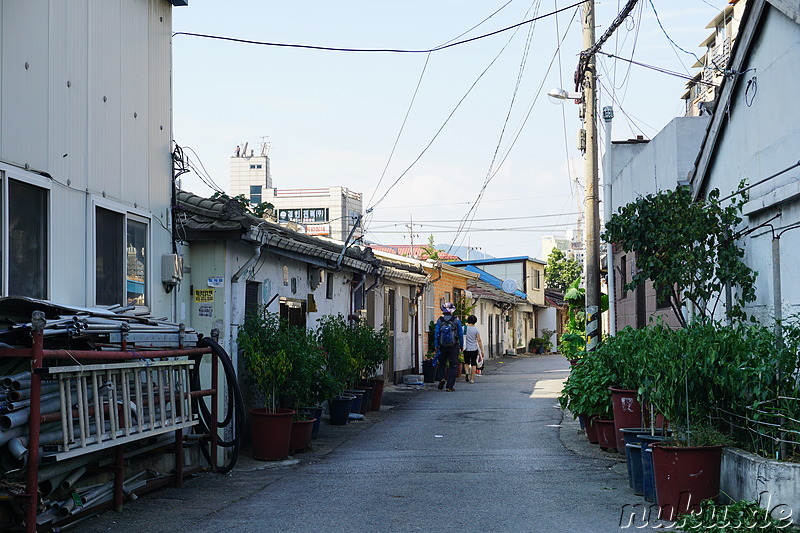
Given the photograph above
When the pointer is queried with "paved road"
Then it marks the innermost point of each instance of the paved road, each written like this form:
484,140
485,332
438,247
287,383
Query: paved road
491,456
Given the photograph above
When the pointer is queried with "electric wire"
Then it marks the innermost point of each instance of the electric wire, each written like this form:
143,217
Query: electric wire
493,219
659,69
379,50
441,128
411,105
524,120
563,110
520,72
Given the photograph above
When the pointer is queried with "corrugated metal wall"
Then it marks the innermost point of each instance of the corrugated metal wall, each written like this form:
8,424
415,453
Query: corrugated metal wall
85,95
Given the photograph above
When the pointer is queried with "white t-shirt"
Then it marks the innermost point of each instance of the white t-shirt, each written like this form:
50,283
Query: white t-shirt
471,343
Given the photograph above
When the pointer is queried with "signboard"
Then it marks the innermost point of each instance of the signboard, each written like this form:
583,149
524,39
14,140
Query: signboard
216,281
204,296
313,215
318,229
205,310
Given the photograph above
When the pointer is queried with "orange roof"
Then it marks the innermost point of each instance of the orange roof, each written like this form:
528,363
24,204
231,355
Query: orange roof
417,251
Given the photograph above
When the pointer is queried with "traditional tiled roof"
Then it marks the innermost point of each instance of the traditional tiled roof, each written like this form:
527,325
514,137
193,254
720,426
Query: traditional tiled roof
199,218
417,251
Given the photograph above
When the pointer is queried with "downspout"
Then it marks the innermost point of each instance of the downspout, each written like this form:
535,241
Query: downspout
608,115
235,299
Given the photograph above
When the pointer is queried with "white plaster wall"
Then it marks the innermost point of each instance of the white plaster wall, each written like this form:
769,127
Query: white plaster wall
760,137
641,169
546,319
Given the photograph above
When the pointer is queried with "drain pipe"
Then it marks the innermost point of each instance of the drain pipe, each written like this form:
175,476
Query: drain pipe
608,115
234,329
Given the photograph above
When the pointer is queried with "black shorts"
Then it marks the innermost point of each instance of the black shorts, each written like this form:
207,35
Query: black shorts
471,357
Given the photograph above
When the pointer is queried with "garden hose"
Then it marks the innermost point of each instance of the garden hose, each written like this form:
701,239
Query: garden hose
234,414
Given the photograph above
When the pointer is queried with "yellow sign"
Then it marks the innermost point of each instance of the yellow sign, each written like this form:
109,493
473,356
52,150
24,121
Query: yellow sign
203,296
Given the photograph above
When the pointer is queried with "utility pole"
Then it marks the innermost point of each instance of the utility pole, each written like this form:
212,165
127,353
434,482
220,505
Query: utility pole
593,329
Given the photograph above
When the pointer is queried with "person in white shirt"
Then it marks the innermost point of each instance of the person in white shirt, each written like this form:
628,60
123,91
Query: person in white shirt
472,346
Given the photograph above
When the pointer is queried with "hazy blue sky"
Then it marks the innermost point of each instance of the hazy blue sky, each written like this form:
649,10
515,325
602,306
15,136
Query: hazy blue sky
332,118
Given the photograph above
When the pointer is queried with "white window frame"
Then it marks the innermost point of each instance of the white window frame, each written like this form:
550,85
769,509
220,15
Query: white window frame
8,172
130,213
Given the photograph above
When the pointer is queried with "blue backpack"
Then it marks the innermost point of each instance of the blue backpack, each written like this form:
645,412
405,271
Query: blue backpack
448,332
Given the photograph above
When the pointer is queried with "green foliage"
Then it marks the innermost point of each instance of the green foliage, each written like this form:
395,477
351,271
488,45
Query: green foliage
430,250
353,351
585,391
282,360
739,517
561,271
257,210
572,343
687,247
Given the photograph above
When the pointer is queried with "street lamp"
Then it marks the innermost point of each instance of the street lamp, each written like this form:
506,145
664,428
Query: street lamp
557,95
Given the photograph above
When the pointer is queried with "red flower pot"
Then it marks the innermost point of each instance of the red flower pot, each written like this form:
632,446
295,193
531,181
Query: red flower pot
377,392
606,435
685,476
301,434
271,433
627,413
588,426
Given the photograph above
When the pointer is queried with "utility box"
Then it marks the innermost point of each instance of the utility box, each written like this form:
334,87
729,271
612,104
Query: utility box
171,269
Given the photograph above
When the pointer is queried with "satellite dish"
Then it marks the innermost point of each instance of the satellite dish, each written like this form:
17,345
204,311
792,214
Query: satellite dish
510,286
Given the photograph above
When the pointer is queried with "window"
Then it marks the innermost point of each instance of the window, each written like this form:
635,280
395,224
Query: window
536,280
329,286
255,194
662,297
623,276
27,240
120,259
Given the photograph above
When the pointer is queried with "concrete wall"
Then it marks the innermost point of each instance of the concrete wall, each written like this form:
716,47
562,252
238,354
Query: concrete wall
775,485
759,138
639,169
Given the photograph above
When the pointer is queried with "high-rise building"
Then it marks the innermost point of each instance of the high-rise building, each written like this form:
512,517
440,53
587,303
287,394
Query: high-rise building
250,174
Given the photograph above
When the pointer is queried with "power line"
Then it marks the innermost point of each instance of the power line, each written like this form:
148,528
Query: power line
480,219
368,50
523,63
520,127
414,97
660,69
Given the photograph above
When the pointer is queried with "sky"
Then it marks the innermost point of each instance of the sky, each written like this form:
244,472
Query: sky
462,143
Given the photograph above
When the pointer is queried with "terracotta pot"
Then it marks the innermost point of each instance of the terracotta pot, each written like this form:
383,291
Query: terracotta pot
627,413
271,433
377,392
606,435
301,434
685,476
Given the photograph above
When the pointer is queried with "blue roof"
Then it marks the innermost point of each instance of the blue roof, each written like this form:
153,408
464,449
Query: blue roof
494,281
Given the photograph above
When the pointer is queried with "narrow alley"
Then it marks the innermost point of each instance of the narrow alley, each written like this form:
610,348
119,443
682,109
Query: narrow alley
492,456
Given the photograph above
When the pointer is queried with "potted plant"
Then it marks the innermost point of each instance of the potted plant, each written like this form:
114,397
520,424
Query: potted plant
333,335
585,394
536,345
267,354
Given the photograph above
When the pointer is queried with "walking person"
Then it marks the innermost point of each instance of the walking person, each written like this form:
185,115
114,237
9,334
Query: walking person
448,341
472,347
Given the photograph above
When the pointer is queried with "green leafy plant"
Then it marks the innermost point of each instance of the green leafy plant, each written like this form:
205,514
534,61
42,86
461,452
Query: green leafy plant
268,356
739,517
244,203
561,271
688,248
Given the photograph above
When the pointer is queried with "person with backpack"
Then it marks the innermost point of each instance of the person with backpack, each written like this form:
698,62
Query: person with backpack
448,341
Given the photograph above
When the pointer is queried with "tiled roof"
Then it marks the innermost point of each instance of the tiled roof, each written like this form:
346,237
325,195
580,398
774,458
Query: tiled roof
200,218
417,251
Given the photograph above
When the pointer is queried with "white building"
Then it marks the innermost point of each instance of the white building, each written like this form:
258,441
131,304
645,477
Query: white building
551,242
327,211
250,175
85,151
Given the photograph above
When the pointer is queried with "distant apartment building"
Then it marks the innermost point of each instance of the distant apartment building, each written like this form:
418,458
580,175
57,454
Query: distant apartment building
327,211
701,90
